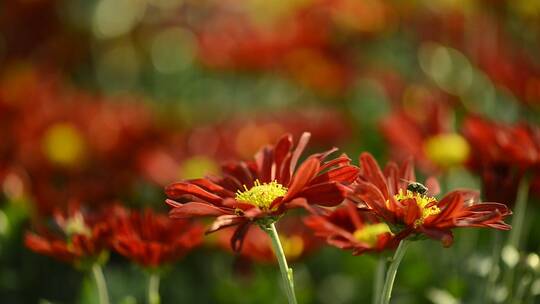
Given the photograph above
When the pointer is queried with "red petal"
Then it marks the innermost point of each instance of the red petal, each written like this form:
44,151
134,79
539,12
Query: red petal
265,159
391,171
281,150
240,171
445,236
284,176
172,203
503,209
345,174
449,205
327,194
468,196
407,171
195,209
374,199
302,143
372,173
412,211
323,155
234,204
237,239
212,187
225,221
183,189
342,160
302,177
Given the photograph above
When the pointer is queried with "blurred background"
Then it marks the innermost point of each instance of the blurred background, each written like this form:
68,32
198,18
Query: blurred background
107,101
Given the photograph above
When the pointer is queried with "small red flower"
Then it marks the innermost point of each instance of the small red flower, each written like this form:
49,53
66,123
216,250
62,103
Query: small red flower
407,207
153,239
263,189
352,229
75,237
501,154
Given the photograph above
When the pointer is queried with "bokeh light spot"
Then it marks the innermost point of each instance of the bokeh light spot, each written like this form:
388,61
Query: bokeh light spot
197,167
63,144
113,18
447,150
172,50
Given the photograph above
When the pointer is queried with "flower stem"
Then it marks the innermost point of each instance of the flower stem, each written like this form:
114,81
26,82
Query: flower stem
519,214
379,279
286,272
494,271
515,237
153,289
101,284
392,271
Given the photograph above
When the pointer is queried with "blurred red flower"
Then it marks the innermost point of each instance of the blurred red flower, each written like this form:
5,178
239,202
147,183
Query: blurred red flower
197,153
151,239
485,41
297,241
263,189
501,154
423,131
297,43
352,229
68,143
234,39
411,211
75,236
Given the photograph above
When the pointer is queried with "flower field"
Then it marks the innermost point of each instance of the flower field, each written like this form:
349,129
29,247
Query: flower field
310,151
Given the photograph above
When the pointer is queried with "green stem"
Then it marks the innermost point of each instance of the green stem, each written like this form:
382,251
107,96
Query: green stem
97,272
153,289
519,213
286,272
392,271
379,279
514,240
493,272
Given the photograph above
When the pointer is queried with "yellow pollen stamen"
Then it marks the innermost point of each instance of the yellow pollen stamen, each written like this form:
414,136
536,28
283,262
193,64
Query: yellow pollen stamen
369,234
261,194
427,204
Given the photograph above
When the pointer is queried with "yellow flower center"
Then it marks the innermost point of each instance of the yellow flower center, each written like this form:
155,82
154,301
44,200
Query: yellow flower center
369,234
293,246
63,144
447,150
76,225
261,195
427,204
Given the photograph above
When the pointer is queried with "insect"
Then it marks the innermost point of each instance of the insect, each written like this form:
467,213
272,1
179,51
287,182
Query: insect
417,187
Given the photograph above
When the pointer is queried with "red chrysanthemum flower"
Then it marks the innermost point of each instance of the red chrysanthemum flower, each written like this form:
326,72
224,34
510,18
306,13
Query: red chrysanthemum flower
76,237
424,132
502,154
406,206
151,239
70,149
262,190
349,228
297,241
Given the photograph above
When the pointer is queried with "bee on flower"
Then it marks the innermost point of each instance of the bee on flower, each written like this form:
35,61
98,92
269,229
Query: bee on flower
409,209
